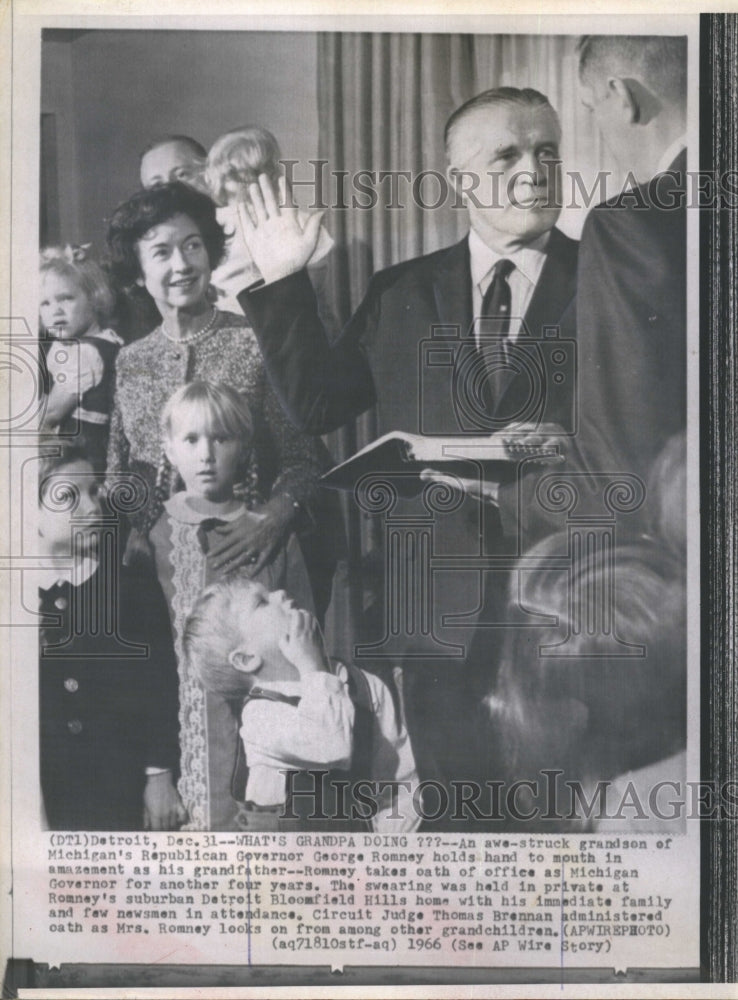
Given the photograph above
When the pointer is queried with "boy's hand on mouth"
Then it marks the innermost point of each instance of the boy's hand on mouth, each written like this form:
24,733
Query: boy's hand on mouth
303,645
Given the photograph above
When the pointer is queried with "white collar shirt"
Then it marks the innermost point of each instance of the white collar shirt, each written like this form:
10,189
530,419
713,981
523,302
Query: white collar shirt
523,279
67,571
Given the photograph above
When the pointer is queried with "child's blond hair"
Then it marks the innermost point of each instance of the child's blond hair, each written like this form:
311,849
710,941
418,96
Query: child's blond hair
220,408
241,154
213,631
76,263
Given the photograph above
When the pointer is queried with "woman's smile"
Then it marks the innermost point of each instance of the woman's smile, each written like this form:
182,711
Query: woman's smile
175,264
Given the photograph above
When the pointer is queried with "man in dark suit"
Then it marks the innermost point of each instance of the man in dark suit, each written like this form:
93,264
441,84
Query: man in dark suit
514,268
632,341
631,309
631,287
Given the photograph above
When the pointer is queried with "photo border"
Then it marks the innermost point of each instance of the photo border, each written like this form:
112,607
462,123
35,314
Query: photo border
719,474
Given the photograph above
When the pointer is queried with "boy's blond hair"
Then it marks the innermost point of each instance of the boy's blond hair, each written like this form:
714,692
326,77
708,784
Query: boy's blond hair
213,631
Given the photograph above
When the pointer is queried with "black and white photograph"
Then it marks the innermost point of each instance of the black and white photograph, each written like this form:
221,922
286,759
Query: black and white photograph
356,586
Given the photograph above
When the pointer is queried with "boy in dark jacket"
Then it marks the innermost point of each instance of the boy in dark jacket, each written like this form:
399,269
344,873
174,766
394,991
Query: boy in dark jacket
108,681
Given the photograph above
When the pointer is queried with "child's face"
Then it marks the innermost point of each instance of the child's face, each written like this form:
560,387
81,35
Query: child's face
65,309
265,618
70,504
236,185
207,459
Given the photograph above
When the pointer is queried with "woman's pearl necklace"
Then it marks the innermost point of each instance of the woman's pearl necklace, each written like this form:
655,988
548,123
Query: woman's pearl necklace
192,338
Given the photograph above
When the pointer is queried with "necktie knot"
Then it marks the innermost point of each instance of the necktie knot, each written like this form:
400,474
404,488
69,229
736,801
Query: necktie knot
503,269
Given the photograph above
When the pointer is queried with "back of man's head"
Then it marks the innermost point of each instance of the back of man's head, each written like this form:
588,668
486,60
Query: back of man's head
659,62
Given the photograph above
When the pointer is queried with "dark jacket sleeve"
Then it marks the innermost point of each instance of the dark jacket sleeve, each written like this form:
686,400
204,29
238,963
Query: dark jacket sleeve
160,699
321,386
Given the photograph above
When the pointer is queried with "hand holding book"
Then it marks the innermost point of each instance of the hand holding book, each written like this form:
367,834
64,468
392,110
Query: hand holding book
475,464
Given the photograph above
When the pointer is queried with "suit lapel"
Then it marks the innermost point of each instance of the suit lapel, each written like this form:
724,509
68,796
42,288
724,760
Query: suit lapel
556,286
554,292
552,295
452,290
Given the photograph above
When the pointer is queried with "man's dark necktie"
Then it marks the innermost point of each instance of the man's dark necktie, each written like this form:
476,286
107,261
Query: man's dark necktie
493,331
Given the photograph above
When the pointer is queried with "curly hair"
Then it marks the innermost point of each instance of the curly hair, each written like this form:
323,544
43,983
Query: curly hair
152,207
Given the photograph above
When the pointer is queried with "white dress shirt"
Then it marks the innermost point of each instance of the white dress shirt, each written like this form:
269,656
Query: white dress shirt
319,733
68,570
523,279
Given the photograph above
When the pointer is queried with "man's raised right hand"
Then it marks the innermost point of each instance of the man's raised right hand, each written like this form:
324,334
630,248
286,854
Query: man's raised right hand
271,229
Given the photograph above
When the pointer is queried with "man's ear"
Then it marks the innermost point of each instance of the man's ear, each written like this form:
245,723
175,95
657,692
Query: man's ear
626,95
247,663
455,178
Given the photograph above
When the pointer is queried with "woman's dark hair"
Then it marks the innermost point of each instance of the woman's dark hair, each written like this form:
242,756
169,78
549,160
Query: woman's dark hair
152,207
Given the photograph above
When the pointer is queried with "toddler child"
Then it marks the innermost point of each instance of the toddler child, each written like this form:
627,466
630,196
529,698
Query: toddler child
207,432
107,676
299,712
235,160
76,304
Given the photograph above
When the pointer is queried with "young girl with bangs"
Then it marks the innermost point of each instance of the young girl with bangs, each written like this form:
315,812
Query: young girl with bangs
207,432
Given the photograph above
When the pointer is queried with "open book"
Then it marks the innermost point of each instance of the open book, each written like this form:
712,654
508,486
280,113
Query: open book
400,454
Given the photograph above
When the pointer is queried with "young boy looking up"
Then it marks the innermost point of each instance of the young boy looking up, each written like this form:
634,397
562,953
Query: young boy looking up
300,712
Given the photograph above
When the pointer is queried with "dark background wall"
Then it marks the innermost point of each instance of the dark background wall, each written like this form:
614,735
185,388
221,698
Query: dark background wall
111,92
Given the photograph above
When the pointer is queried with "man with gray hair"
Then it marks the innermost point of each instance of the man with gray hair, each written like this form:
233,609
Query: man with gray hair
513,267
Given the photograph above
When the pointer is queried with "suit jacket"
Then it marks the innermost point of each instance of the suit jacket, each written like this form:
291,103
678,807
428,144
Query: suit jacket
413,314
631,338
378,359
631,321
108,699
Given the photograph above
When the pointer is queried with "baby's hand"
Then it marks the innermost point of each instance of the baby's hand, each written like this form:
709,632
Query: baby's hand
303,645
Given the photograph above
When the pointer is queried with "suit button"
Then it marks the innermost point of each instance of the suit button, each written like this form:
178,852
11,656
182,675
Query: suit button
61,603
74,726
177,356
71,685
653,318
